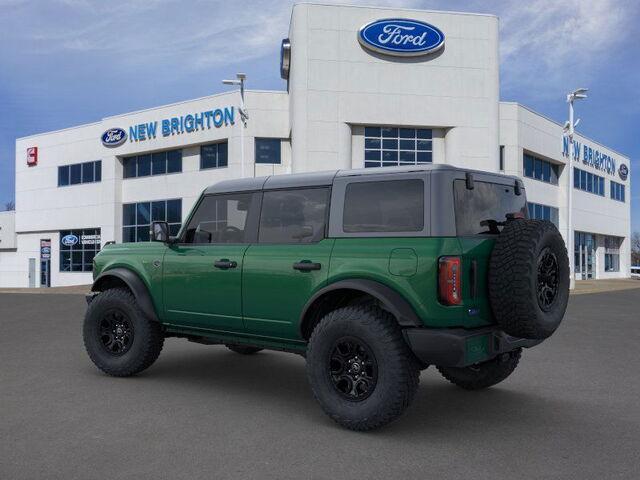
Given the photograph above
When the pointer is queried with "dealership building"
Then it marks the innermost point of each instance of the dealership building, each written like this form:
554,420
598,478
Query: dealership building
365,87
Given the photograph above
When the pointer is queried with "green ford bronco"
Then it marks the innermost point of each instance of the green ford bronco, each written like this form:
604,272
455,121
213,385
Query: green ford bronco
372,275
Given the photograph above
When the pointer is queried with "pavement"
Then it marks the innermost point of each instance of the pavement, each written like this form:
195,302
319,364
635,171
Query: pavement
570,411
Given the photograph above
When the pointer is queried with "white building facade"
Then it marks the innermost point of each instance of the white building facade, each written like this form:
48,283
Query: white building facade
394,93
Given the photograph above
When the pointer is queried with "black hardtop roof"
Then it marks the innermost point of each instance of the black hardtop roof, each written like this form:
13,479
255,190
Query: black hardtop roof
325,178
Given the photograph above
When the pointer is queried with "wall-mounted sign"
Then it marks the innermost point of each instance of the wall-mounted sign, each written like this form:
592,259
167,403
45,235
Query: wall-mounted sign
623,171
114,137
589,156
401,37
45,249
69,240
32,156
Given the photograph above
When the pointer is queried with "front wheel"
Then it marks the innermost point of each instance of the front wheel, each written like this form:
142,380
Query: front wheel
483,375
119,338
360,368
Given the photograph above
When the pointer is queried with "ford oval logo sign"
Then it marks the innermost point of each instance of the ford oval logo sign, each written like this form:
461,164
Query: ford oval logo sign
401,37
114,137
69,240
623,171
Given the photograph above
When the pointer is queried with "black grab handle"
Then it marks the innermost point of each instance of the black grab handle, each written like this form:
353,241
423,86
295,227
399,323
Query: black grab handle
306,266
225,264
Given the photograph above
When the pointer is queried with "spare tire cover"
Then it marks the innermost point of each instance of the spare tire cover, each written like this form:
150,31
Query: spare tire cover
529,278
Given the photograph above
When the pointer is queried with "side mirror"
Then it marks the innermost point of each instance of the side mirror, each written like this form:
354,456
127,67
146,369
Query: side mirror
160,232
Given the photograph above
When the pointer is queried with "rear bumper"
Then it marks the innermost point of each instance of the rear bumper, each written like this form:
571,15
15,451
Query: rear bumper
458,347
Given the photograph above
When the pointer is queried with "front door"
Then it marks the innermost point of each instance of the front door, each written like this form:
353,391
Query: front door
289,262
202,273
585,246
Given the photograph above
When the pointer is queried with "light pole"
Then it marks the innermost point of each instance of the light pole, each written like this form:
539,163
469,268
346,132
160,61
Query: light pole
577,94
244,115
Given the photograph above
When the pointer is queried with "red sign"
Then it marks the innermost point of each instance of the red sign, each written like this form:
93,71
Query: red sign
32,156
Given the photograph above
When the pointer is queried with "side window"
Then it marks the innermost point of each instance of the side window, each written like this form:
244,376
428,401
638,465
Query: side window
384,206
221,219
293,216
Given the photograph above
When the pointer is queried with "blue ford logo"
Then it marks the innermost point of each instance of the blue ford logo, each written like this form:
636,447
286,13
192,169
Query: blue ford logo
114,137
401,37
69,240
623,171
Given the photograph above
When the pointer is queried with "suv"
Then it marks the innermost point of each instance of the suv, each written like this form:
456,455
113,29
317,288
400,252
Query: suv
372,275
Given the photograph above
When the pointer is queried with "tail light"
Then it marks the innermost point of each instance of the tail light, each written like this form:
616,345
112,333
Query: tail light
449,287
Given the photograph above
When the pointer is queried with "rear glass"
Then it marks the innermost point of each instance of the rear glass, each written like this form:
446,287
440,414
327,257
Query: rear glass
479,211
386,206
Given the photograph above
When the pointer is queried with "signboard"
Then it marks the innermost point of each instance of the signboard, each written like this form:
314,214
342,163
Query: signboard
45,249
32,156
589,156
401,37
623,171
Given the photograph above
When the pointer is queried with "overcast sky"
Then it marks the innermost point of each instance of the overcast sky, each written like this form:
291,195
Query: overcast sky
68,62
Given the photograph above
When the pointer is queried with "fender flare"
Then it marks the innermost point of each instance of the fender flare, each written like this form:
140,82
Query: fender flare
392,300
135,284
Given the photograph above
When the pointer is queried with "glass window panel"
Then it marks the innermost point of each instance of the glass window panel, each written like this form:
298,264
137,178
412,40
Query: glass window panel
159,163
407,133
174,161
144,165
174,211
528,166
87,172
530,208
538,214
372,164
159,211
174,229
407,157
601,183
390,144
222,155
142,234
129,167
583,179
372,154
424,157
576,178
390,132
143,213
372,143
267,150
63,176
389,156
129,214
546,171
220,219
372,131
424,145
554,174
129,234
407,144
537,169
98,171
424,133
75,174
65,261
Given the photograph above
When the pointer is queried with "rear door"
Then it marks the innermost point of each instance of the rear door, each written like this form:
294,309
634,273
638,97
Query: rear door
289,262
203,273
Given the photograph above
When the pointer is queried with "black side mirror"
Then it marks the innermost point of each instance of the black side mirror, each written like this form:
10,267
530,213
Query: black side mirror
160,232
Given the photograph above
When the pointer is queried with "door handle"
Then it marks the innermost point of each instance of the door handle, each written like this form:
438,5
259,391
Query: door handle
306,266
225,264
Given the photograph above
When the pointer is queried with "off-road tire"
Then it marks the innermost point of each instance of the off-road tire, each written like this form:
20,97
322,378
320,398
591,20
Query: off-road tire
398,371
146,344
483,375
514,278
243,349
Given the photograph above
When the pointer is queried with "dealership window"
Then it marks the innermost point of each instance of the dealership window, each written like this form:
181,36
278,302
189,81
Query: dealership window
77,249
612,254
137,218
159,163
268,150
87,172
543,212
214,155
393,146
617,191
539,169
387,206
588,182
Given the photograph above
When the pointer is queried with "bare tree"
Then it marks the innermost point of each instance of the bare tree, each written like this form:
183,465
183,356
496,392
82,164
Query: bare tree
11,205
635,248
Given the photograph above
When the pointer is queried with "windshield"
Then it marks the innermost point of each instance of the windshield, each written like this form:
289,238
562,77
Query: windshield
484,209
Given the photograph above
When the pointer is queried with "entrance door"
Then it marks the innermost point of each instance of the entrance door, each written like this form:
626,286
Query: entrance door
32,273
289,262
202,274
45,273
585,249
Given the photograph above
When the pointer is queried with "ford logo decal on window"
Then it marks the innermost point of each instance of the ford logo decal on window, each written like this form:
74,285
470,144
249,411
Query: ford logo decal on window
401,37
623,171
114,137
69,240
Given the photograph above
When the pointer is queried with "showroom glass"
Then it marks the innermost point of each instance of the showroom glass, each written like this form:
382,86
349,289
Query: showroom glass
220,219
393,146
137,218
268,150
487,202
78,257
543,212
588,182
214,155
617,191
612,254
159,163
87,172
293,216
386,206
538,169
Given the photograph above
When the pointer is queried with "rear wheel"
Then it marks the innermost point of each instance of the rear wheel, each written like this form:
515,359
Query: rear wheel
243,349
119,338
483,375
360,368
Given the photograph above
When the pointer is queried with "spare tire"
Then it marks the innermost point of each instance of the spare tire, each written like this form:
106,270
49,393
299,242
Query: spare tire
529,278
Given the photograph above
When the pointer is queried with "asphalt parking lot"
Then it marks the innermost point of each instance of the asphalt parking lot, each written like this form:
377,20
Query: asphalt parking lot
571,410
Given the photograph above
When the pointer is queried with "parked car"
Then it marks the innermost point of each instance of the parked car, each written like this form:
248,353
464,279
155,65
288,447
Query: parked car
371,274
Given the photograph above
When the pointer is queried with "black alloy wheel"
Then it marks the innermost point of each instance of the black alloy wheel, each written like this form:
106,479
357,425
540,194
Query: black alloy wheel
116,332
548,279
353,369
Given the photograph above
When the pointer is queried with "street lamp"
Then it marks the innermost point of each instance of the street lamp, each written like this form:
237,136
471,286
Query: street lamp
577,94
244,114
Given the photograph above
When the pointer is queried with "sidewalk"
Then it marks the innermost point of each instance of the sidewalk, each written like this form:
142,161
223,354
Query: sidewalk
74,290
598,286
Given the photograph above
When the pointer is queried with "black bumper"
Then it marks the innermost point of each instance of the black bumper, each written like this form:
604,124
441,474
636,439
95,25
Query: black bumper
458,347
